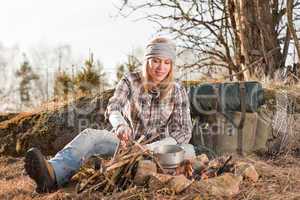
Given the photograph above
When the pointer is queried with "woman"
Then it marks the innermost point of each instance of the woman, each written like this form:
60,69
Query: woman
144,103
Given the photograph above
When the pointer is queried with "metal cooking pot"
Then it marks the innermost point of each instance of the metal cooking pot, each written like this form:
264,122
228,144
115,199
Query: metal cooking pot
169,156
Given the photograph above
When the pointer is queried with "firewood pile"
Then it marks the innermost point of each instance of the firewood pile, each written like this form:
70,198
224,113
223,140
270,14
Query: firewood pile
137,167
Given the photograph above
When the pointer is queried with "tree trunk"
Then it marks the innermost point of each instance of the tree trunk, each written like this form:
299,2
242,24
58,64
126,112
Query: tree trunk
256,32
291,27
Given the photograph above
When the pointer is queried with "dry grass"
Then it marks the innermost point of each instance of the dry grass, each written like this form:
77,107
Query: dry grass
279,179
13,183
57,102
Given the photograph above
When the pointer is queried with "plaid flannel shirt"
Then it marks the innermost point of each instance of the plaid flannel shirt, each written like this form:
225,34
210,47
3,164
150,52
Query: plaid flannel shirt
147,114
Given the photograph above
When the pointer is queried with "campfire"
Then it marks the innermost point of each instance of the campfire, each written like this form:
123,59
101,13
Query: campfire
136,166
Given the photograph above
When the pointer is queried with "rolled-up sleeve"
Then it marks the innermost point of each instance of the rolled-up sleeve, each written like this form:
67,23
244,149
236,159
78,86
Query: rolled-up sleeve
120,97
180,124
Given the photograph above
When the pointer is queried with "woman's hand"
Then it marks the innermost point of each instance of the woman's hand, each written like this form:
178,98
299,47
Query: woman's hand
124,134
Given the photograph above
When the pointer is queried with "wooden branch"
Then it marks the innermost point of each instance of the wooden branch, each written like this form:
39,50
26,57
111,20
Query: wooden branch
254,63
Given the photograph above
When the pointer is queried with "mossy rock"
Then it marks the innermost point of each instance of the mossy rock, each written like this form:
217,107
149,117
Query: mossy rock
51,130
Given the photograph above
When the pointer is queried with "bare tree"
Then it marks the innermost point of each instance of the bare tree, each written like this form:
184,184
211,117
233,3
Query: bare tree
246,37
291,27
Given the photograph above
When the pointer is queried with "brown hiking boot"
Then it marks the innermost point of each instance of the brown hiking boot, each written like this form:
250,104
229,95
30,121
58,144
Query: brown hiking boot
40,170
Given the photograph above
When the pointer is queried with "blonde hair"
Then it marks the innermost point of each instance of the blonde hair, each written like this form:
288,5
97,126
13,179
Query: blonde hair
166,85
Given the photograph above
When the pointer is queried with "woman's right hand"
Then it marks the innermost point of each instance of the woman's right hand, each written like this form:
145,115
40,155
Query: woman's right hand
124,134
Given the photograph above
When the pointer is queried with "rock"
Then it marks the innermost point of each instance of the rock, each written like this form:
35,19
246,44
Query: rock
179,183
247,170
50,129
145,169
158,181
200,162
226,185
203,159
251,173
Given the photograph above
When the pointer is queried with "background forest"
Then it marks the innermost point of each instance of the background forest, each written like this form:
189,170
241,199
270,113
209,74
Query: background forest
217,39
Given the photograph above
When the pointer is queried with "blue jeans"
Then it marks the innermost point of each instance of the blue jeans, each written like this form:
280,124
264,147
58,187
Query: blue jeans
87,143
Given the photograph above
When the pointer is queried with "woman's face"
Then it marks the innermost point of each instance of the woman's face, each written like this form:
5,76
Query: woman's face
159,68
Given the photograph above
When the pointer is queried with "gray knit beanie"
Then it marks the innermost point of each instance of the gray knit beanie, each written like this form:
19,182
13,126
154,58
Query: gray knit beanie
164,49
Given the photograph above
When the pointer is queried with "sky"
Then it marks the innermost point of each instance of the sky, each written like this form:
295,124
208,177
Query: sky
85,25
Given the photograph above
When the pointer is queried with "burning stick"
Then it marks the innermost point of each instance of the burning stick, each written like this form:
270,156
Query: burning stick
185,168
222,168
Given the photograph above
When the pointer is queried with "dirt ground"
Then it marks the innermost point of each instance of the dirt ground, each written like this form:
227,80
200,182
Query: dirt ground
279,179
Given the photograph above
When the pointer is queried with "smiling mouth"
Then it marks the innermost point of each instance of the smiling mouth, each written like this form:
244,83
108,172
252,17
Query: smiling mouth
160,73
